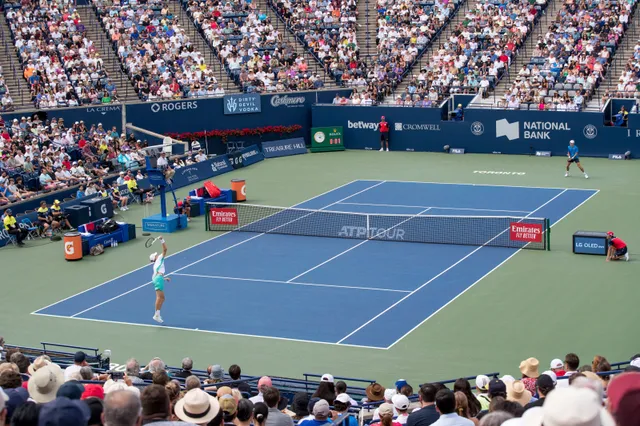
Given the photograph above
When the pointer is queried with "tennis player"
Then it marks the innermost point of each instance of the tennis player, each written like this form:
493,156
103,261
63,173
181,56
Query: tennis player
384,134
159,278
572,157
617,248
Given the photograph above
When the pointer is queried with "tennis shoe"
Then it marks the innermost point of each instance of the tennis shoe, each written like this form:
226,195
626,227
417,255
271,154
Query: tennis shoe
381,149
566,174
387,149
586,176
626,257
158,319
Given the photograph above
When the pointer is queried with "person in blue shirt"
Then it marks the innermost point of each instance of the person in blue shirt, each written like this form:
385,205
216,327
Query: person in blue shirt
573,157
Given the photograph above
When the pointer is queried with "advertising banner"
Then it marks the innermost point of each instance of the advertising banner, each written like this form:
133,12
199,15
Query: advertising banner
284,147
251,155
325,139
246,103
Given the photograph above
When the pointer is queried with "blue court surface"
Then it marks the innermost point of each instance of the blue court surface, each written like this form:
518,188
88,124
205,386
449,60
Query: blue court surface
289,287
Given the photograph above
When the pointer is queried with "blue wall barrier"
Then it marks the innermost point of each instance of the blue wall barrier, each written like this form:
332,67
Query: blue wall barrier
108,115
482,131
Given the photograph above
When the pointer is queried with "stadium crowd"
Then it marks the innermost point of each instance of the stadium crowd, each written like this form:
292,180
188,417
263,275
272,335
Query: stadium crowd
572,58
39,392
62,66
629,83
156,51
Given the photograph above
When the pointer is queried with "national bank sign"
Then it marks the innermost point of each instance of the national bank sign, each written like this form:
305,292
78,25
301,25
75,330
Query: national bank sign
536,130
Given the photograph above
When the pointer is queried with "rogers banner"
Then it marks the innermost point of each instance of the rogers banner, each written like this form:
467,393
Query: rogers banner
527,232
224,216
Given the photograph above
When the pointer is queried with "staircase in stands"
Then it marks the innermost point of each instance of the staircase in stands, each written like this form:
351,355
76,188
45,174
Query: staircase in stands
523,57
367,30
434,45
12,70
203,47
110,60
623,54
314,65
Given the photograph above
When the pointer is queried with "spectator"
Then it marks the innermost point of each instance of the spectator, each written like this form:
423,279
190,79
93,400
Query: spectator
10,380
462,407
386,416
96,408
216,374
517,392
229,408
341,407
321,414
300,405
326,390
192,382
155,365
244,413
571,365
197,407
482,385
21,361
234,371
427,413
530,372
557,366
260,414
122,408
160,378
446,406
187,366
79,361
26,415
132,371
496,418
463,385
263,383
401,405
544,385
155,404
276,417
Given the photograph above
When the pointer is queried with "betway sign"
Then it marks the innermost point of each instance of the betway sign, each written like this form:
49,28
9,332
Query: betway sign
362,125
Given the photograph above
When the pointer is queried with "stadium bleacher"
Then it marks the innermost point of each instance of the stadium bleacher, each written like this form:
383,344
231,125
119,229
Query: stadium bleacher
87,368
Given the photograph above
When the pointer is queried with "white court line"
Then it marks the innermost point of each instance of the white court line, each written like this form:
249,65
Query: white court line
434,207
218,252
260,280
223,333
178,252
357,245
477,184
439,275
484,276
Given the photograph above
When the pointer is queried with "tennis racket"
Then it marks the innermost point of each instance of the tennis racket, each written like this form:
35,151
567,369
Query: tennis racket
151,241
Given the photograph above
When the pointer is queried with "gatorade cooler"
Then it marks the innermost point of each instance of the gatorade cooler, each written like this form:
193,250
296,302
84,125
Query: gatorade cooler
239,188
72,246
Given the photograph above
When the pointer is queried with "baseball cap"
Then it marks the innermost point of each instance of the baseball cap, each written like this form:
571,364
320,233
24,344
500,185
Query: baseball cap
79,356
64,412
16,397
152,256
327,378
389,393
321,409
71,389
344,398
400,383
400,402
482,382
545,381
497,386
385,409
556,363
228,404
93,391
610,233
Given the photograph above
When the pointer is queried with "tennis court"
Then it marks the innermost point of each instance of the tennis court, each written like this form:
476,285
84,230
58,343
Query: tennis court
356,292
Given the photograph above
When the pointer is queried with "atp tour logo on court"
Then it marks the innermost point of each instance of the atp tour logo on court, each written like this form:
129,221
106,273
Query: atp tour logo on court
224,216
526,232
361,232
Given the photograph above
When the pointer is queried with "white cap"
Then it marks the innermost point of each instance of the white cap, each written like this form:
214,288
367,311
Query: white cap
344,398
327,378
507,379
482,382
152,256
553,376
556,363
400,402
572,141
389,393
636,362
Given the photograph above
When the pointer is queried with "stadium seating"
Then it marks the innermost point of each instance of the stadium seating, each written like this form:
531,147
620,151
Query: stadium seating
155,51
62,66
571,59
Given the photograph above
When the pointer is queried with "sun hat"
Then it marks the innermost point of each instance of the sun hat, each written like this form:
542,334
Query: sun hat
44,384
516,392
38,363
375,392
217,372
529,367
197,406
571,406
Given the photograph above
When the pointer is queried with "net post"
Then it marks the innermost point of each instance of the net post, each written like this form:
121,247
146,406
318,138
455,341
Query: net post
368,229
547,225
206,217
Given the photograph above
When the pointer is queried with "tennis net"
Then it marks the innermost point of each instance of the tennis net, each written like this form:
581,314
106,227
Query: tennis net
496,231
